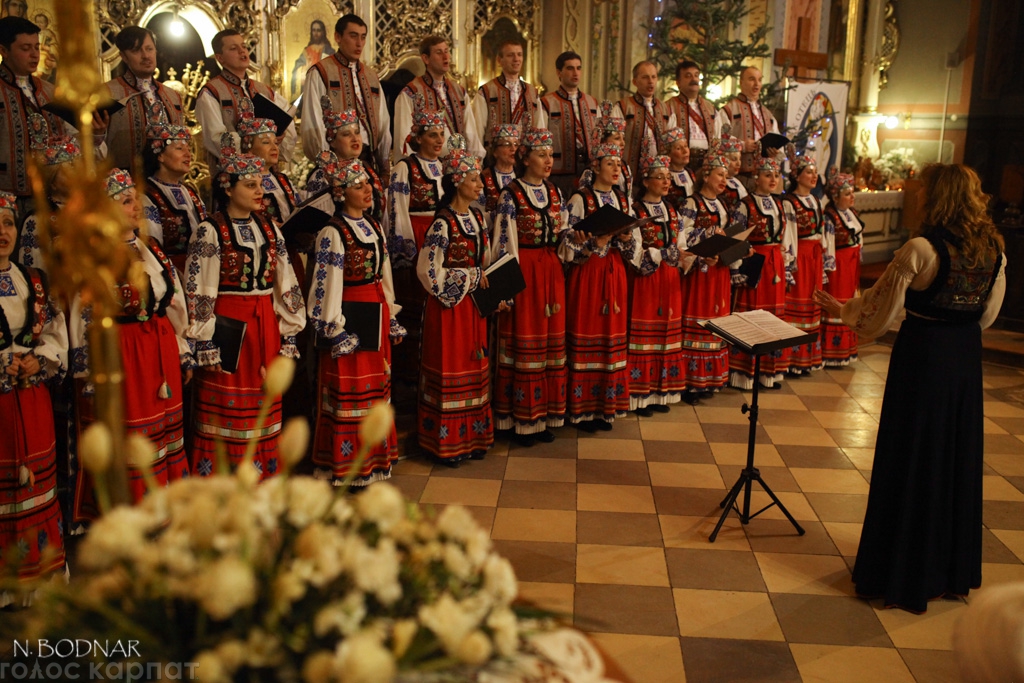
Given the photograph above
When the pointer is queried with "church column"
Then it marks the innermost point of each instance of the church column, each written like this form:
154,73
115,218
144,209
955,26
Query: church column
867,119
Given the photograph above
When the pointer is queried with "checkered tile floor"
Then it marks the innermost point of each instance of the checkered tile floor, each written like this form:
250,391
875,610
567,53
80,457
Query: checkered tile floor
611,528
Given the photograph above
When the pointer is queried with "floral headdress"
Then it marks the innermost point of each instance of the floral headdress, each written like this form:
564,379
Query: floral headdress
609,123
250,126
118,180
333,120
424,119
51,150
340,173
160,135
767,164
650,164
715,158
505,133
671,137
837,182
459,163
730,146
9,202
801,162
602,150
537,137
235,164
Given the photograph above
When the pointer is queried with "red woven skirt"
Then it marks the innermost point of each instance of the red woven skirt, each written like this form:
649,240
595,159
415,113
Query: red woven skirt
348,387
705,358
31,529
801,310
410,295
596,335
655,355
769,295
149,355
226,405
838,341
529,392
454,413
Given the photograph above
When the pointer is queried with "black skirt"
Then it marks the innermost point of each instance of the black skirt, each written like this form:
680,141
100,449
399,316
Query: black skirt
922,530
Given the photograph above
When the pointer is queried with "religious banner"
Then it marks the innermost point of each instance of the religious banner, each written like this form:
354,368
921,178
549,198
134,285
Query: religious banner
40,12
308,31
821,106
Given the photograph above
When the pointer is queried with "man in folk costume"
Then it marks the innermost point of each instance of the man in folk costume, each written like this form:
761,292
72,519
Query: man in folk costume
646,117
349,85
150,102
694,114
22,94
222,100
572,120
507,98
440,93
748,120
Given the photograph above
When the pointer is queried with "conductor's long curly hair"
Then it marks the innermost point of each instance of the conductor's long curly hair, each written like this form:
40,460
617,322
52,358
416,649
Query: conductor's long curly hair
953,199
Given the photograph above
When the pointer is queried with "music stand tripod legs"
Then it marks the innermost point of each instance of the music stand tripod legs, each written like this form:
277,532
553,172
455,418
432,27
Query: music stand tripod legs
750,474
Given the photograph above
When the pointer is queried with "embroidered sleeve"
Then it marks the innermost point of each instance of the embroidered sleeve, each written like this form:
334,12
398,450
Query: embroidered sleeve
828,247
152,223
288,302
506,237
324,305
403,240
387,281
202,283
448,285
52,347
30,253
874,312
177,314
570,250
78,337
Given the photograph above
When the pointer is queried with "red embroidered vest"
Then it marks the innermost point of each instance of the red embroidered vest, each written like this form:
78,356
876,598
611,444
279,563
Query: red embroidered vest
362,265
677,193
240,268
422,189
844,236
464,251
177,227
809,221
536,228
766,231
657,234
37,312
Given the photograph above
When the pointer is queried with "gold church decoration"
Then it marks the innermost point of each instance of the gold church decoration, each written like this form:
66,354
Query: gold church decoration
890,44
192,81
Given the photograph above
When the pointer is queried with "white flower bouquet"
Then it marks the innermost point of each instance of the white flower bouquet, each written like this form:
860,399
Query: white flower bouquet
896,164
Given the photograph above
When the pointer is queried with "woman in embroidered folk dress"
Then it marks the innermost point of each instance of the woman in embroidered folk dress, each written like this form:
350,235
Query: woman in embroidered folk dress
814,256
529,389
454,414
655,313
844,229
499,168
735,190
597,318
55,157
922,534
33,353
610,130
238,268
706,289
774,237
171,210
675,145
154,355
259,138
351,265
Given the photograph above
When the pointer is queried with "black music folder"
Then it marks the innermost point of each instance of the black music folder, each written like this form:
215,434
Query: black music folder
68,114
310,216
228,334
504,279
265,108
609,221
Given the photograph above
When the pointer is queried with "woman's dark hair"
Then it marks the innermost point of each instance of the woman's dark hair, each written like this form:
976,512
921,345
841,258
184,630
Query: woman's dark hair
448,192
414,142
220,195
522,153
150,161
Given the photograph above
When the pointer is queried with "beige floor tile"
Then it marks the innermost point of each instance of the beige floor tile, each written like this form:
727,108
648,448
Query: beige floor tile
932,630
720,415
1001,409
995,574
1006,464
846,536
614,498
871,405
726,614
799,436
693,532
809,388
541,469
805,574
829,481
417,466
450,490
765,454
778,401
842,664
1014,540
688,475
669,431
878,365
621,565
865,377
992,428
862,458
650,659
610,449
680,413
554,597
794,501
997,488
832,420
517,524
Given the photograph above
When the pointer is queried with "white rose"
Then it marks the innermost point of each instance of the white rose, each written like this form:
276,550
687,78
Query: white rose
383,504
119,534
288,588
456,562
231,654
376,426
208,668
226,586
475,649
448,621
500,579
318,667
478,548
375,570
362,659
402,636
95,446
308,500
455,522
341,616
505,626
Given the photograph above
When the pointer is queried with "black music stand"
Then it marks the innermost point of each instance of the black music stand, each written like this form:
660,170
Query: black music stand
750,474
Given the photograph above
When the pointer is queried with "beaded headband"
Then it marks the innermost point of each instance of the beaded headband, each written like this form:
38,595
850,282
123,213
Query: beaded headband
650,164
671,137
837,182
232,163
505,133
767,164
730,146
602,150
119,180
537,137
459,163
160,135
424,119
51,150
715,158
340,173
250,126
9,202
608,123
801,163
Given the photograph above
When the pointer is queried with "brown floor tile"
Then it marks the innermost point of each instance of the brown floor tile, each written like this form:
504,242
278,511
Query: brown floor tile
835,404
414,465
672,431
829,620
1001,514
612,472
621,564
838,507
726,614
540,469
546,495
736,454
677,451
866,390
1003,444
846,664
816,480
446,491
995,550
552,597
1013,425
645,659
516,524
805,574
932,630
618,528
815,456
727,398
628,428
1017,481
1008,465
779,536
720,415
640,610
686,475
491,467
611,449
786,418
559,448
688,502
614,498
931,666
540,561
842,420
717,660
411,485
719,433
726,570
854,438
777,478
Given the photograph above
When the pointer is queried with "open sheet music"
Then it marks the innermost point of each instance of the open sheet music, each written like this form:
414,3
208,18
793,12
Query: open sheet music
757,331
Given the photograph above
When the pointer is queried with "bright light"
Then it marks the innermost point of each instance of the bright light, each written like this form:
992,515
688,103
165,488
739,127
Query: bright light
177,28
715,92
891,122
